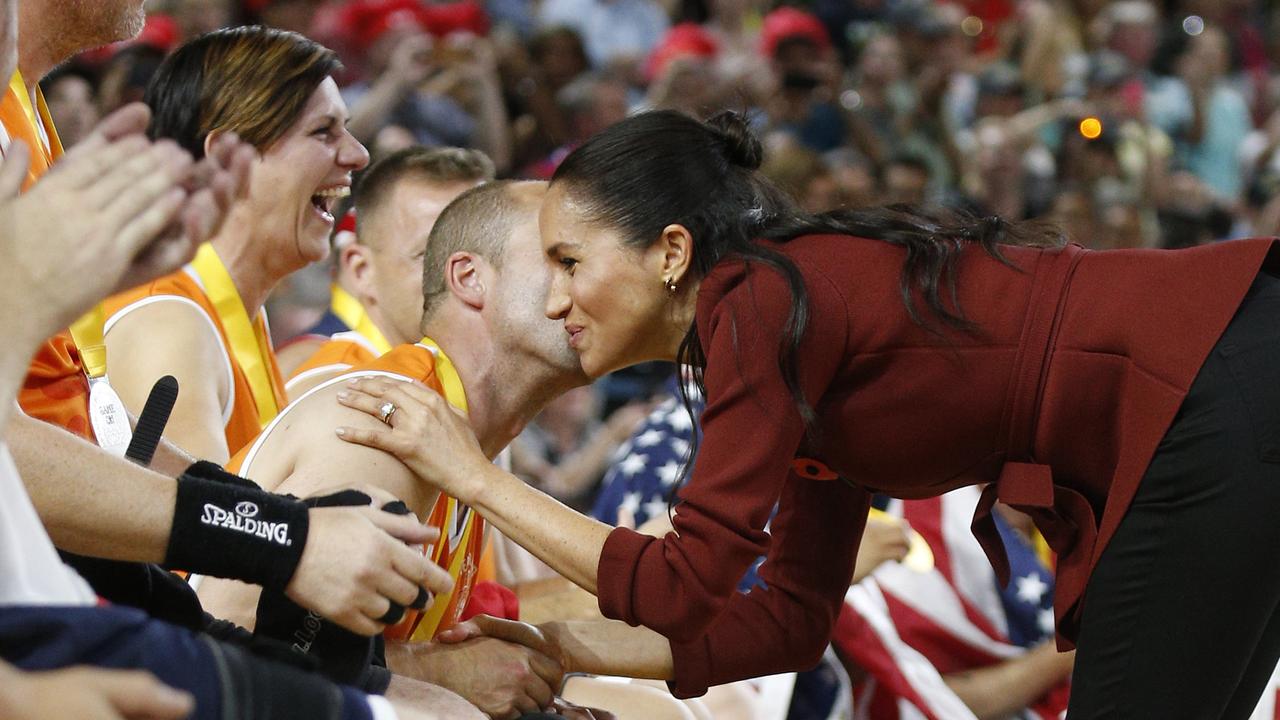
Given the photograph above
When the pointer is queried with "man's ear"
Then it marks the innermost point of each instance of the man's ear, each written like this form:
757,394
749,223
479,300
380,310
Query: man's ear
675,252
464,276
356,264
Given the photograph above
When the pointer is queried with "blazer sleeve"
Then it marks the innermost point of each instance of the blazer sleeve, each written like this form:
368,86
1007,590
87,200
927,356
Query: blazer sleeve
786,624
679,585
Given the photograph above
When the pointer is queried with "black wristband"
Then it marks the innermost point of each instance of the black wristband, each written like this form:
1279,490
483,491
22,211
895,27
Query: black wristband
226,526
343,656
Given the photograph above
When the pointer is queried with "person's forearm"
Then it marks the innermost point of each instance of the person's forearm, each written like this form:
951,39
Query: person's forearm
170,459
495,139
1000,690
566,540
369,114
13,368
573,476
131,509
21,341
611,647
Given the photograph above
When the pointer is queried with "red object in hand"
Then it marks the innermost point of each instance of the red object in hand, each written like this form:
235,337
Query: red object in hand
490,598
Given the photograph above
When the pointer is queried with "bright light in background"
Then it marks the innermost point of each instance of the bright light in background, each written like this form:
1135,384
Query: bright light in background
971,26
1091,128
1193,25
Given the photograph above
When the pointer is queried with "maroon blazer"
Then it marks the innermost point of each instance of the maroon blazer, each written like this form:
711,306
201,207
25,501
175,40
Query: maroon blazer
1058,399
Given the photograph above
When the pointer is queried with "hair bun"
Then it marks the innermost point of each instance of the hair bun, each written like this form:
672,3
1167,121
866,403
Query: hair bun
741,146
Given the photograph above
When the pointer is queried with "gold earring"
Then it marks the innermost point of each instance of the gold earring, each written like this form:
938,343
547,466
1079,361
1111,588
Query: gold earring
671,286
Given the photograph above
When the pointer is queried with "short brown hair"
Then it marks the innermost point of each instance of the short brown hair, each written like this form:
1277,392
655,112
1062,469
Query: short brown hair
478,221
434,165
254,81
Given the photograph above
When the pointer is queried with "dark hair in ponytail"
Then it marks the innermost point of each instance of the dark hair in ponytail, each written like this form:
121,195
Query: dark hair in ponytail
660,168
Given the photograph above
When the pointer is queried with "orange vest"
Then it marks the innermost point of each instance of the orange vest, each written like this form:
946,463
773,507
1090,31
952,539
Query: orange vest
462,530
242,417
337,355
55,389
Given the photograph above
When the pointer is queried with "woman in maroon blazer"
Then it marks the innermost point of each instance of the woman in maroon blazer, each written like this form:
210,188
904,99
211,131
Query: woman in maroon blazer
1129,401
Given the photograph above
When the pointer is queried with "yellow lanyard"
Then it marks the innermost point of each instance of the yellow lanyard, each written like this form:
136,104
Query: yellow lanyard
250,342
87,331
458,557
350,311
448,374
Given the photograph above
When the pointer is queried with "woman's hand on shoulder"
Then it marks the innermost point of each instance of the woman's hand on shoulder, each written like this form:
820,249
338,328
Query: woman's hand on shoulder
423,430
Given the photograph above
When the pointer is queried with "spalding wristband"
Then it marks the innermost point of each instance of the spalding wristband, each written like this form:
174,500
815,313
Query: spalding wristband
226,526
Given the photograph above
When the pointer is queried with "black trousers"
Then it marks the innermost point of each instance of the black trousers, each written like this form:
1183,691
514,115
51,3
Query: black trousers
1182,614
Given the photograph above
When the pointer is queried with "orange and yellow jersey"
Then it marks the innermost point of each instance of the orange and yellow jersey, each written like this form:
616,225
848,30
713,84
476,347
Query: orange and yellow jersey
257,389
462,530
335,356
55,389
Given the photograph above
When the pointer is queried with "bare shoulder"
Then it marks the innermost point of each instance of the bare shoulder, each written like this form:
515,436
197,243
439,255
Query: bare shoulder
323,462
165,321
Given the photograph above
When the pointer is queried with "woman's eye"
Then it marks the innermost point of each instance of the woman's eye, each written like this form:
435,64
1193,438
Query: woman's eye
323,133
568,264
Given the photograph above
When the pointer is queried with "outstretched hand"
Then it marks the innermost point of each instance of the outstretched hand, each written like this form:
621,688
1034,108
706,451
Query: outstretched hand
424,431
512,631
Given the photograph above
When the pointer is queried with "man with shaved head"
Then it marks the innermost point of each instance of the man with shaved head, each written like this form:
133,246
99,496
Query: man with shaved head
489,349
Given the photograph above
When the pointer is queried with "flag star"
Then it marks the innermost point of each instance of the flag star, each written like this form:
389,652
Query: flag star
1045,621
669,473
649,438
633,464
680,420
657,507
1031,589
659,413
630,504
679,446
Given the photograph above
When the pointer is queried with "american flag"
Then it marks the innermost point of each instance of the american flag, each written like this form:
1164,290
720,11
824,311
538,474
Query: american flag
639,487
908,627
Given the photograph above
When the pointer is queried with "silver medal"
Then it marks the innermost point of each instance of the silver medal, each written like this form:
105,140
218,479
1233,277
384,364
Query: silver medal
108,417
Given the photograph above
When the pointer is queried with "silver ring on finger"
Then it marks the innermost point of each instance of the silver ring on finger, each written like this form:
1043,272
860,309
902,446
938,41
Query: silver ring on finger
386,410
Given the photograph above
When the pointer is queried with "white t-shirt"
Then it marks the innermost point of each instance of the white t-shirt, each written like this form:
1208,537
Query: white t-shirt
31,573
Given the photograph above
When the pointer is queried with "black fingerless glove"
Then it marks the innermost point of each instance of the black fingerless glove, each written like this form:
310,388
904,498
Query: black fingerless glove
226,526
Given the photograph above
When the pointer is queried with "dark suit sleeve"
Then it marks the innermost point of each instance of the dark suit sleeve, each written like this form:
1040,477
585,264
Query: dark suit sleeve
684,584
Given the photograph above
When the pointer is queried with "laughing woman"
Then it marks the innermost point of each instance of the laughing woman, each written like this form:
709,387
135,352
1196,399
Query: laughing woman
205,325
1128,401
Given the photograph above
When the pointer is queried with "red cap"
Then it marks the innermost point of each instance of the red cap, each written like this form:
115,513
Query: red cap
345,232
464,16
688,39
788,22
364,21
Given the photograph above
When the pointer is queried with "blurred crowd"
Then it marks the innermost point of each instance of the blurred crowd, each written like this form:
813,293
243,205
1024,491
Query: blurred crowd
1129,123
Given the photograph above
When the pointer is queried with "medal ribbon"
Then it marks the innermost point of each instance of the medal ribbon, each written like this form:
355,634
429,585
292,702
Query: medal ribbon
250,341
455,555
350,311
